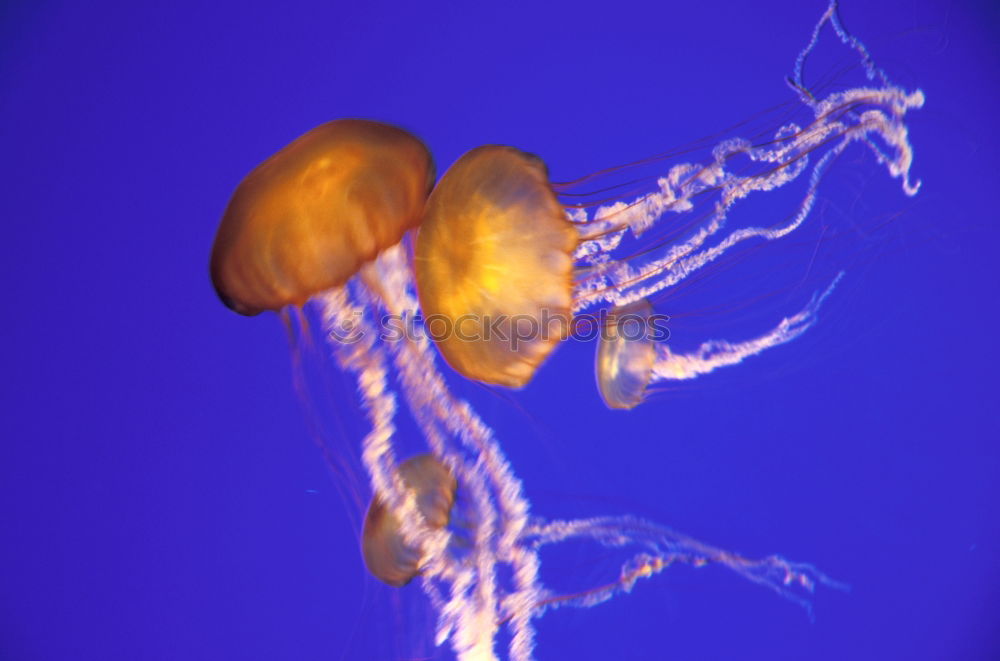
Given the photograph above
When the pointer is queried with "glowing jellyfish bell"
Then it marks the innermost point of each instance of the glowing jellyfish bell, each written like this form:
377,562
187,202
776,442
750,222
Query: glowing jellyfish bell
495,244
326,220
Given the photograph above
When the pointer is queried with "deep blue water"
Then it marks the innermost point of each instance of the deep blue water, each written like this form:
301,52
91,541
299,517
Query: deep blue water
159,494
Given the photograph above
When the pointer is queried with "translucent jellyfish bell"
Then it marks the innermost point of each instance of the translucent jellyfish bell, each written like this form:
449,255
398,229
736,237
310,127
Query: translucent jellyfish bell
387,553
306,218
625,356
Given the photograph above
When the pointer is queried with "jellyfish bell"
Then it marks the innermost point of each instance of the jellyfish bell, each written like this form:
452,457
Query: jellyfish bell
625,356
309,216
387,554
494,252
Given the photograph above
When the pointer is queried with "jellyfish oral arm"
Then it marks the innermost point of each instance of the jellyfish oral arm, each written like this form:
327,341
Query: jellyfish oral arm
714,354
469,614
866,115
663,547
621,283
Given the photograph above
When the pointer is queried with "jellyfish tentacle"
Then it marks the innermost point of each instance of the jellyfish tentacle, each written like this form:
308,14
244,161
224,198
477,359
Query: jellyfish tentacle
469,616
832,17
477,604
662,547
711,355
432,401
621,283
367,360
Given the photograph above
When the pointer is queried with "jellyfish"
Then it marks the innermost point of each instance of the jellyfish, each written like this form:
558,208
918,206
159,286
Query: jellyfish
308,219
387,554
503,264
494,244
305,219
627,363
625,360
327,224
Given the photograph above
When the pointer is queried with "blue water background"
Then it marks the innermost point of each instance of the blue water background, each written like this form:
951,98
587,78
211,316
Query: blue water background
159,494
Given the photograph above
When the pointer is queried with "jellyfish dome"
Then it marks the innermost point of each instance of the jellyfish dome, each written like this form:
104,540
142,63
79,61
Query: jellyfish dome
306,218
387,554
495,251
625,357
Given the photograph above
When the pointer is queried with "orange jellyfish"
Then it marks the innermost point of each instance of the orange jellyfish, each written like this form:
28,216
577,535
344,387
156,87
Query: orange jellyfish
388,555
502,264
495,244
310,217
305,219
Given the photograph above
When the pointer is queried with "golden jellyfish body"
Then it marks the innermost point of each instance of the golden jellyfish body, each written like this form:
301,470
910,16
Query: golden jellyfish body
387,555
494,259
309,216
625,356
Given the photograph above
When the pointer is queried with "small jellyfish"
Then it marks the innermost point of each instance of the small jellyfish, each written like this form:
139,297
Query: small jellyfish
625,356
307,218
387,553
629,359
